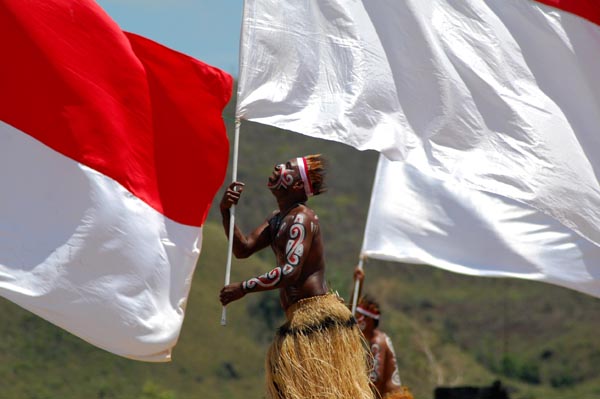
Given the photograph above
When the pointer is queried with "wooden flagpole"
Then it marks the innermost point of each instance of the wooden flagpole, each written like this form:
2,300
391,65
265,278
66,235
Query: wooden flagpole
232,215
357,284
363,256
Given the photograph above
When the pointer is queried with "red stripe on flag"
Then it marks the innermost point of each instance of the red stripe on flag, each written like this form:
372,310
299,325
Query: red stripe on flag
588,9
136,111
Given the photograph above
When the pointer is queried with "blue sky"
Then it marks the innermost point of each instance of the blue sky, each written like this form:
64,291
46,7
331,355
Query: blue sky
208,30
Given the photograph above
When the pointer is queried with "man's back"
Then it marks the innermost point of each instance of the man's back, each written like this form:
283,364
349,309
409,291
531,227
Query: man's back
384,374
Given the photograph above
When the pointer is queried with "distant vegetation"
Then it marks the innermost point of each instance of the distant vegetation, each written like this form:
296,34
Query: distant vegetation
541,341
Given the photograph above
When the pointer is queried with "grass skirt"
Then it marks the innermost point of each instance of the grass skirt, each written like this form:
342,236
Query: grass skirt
404,393
318,354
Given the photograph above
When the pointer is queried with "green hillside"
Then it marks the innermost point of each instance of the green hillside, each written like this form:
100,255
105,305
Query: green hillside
38,360
448,329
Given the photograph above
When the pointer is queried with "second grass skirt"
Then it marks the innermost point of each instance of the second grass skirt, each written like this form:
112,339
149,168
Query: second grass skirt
318,354
403,393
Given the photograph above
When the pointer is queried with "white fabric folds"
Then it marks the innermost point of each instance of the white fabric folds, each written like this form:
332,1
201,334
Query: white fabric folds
417,218
501,96
99,262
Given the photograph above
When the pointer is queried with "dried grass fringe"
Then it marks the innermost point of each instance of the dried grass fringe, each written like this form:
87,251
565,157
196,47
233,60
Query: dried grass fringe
318,354
404,393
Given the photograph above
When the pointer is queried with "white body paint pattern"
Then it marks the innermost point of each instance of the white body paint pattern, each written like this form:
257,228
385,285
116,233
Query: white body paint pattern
283,226
293,254
395,374
376,352
294,248
315,225
285,179
266,280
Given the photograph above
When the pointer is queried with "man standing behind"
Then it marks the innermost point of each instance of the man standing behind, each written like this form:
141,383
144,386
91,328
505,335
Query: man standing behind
384,371
317,353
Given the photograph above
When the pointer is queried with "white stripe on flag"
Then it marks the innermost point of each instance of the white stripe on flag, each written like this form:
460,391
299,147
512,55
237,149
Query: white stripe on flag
82,252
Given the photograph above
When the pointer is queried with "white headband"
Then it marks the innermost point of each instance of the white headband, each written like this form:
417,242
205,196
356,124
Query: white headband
367,313
303,167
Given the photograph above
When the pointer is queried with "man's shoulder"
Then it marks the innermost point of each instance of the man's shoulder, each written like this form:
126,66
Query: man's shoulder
304,213
386,342
380,337
305,217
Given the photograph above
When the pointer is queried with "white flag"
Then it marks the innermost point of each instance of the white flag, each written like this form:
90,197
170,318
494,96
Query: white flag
500,96
417,218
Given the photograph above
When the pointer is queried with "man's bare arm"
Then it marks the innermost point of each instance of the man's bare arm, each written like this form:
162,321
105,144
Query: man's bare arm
243,246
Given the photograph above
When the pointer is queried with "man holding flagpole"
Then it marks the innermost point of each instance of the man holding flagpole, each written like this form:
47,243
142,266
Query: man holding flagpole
384,371
318,352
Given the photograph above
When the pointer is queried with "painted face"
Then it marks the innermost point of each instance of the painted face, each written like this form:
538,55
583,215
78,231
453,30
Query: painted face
283,176
365,323
362,323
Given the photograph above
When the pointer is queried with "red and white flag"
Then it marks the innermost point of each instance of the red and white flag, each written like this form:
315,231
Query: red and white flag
500,97
112,148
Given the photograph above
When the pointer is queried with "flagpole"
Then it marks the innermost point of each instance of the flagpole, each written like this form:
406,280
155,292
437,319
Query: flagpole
238,122
232,215
357,284
363,256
